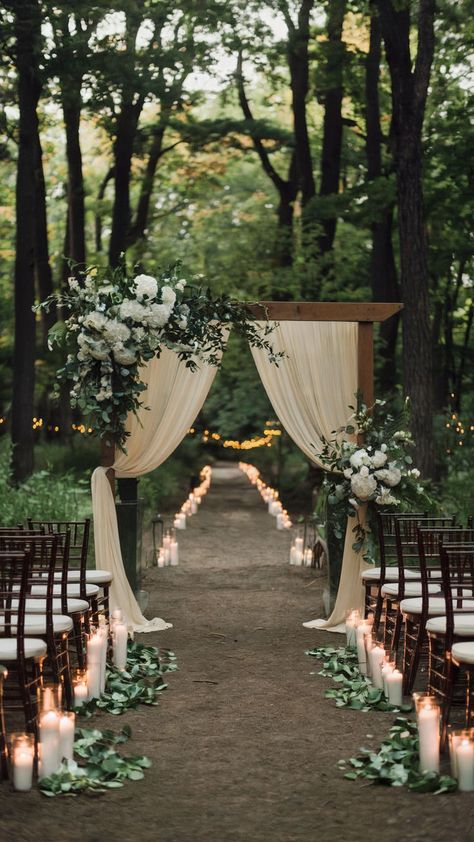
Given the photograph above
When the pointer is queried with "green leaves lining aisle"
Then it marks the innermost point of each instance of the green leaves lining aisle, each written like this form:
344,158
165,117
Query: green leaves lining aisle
396,763
102,767
354,689
139,684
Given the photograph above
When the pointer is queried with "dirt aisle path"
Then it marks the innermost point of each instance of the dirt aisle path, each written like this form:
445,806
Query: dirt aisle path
244,745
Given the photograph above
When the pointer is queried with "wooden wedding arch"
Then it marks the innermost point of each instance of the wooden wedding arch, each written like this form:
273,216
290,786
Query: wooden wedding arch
364,313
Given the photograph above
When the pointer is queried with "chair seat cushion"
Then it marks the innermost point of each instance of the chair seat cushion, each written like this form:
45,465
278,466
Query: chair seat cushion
437,606
34,648
391,574
38,606
463,652
411,589
93,577
72,590
36,623
463,625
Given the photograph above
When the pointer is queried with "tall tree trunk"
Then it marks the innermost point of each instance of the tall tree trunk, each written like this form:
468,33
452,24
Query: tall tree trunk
127,122
383,272
44,275
72,103
98,215
298,63
409,92
28,40
287,188
332,125
138,229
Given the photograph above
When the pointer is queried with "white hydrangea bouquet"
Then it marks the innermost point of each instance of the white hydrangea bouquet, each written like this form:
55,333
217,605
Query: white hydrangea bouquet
370,463
116,321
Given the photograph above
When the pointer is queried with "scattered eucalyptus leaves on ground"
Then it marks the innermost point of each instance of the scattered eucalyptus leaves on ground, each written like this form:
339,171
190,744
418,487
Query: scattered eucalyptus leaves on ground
354,689
139,684
100,766
396,763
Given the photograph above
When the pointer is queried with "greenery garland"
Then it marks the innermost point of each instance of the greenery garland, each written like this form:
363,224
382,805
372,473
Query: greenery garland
355,690
117,320
139,684
396,763
101,768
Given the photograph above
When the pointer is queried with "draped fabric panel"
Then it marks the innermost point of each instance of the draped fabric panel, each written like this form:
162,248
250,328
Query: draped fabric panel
311,391
173,399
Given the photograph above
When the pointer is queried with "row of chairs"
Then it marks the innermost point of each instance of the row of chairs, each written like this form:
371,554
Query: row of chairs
48,601
422,600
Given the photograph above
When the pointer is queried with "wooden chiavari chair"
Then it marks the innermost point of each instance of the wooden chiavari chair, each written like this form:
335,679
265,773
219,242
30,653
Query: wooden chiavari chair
409,575
417,611
21,653
374,578
84,582
444,633
3,730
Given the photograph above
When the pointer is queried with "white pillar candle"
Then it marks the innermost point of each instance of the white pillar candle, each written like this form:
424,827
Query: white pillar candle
394,681
81,693
166,556
94,664
428,733
67,722
465,765
49,740
377,655
117,614
369,645
280,521
161,557
352,621
308,557
386,670
103,633
174,553
362,629
22,767
120,645
299,545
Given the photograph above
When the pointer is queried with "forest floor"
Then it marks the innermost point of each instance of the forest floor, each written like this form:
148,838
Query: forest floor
244,745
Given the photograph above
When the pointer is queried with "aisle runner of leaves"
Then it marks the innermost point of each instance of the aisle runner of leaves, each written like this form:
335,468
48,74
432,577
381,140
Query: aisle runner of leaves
100,766
396,762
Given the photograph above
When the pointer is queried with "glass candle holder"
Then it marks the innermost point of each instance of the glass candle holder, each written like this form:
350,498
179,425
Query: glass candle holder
420,699
455,735
67,724
49,697
464,751
22,758
428,717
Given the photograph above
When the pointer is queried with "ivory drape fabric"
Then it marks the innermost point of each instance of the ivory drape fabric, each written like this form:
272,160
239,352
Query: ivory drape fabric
173,399
311,391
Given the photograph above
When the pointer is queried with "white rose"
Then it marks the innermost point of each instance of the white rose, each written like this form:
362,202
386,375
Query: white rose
157,315
139,334
364,471
363,487
390,476
348,473
180,285
145,285
168,296
183,323
132,310
383,448
414,473
379,458
116,331
124,356
359,458
98,350
385,498
95,321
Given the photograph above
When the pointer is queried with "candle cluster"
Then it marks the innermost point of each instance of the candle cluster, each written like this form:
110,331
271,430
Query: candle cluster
299,554
461,755
373,661
168,554
268,494
190,507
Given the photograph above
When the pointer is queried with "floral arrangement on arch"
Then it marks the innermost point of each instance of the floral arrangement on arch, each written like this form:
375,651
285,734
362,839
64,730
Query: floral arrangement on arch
374,466
116,321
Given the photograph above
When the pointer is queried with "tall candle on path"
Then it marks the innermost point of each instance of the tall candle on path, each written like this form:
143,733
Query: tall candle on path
395,687
49,740
174,554
377,655
23,755
362,629
94,664
428,733
465,765
387,669
120,645
352,621
67,722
